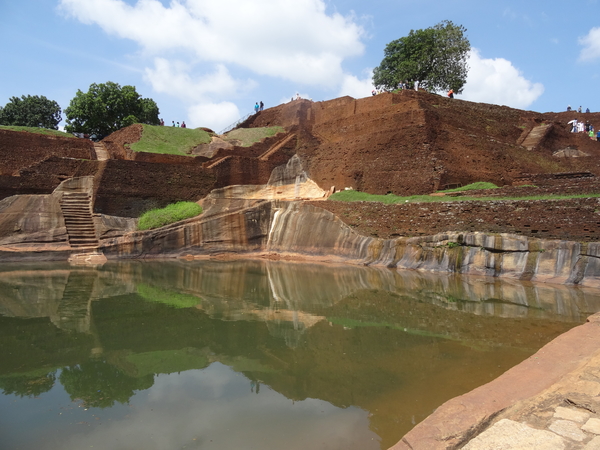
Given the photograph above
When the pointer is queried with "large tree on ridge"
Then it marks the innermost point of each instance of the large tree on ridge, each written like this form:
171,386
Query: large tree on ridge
108,107
31,111
435,57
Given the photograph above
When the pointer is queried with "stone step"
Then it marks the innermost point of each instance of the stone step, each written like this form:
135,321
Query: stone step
535,136
77,212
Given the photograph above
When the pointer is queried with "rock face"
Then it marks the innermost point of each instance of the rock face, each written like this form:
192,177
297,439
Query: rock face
295,228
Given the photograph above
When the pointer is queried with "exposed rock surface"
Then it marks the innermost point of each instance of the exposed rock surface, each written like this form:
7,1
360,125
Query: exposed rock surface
526,399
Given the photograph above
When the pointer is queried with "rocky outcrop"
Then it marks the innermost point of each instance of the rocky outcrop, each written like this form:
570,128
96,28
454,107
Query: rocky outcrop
242,222
299,230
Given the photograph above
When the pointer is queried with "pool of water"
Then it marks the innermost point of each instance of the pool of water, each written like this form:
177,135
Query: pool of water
253,354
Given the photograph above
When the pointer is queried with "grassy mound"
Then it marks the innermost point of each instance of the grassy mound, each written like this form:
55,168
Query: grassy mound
170,140
37,130
175,212
249,136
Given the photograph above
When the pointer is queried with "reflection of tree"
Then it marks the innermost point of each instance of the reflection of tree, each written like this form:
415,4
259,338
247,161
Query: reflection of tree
27,386
100,384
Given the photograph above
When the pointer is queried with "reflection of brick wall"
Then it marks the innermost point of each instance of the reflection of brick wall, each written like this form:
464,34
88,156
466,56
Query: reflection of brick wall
129,188
19,149
572,219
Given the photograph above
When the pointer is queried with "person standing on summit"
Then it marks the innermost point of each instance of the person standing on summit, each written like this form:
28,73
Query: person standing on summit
262,105
256,108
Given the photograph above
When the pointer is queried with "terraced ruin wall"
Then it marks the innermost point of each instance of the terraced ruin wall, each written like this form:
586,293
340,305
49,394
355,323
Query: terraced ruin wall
19,150
575,219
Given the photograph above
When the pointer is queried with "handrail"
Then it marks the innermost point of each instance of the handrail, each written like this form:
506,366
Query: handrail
235,124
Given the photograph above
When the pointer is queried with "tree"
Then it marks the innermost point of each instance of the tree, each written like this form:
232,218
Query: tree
99,384
435,57
108,107
31,111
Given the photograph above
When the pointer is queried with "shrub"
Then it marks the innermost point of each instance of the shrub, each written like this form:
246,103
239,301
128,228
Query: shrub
175,212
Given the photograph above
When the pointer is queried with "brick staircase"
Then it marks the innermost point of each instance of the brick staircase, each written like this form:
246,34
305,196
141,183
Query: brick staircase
265,156
533,138
101,152
77,212
73,312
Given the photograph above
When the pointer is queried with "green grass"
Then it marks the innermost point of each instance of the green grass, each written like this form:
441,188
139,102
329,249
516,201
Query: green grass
356,196
171,298
172,213
170,140
37,130
473,187
249,136
167,361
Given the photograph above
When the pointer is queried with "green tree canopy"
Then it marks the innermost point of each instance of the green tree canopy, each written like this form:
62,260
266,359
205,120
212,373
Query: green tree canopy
100,384
435,57
31,111
108,107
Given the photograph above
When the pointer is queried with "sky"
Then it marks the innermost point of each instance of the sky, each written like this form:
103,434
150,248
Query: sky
207,62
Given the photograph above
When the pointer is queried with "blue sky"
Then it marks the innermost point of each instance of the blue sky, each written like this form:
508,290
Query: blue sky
207,62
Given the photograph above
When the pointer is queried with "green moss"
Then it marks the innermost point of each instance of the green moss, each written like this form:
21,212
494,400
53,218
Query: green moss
175,212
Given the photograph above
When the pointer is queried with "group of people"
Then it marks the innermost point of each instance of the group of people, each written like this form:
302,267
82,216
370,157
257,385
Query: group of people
183,125
581,127
587,110
259,107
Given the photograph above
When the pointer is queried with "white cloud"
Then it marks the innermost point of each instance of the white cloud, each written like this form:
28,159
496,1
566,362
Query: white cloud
591,45
498,81
174,78
215,116
296,40
188,410
201,93
354,87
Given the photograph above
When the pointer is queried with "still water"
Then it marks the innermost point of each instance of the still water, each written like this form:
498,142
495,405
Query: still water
252,354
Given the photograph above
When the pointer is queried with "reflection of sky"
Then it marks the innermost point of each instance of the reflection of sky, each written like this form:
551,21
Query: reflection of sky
212,408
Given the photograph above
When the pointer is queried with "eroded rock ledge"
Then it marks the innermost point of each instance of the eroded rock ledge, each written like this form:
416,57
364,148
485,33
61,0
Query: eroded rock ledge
300,230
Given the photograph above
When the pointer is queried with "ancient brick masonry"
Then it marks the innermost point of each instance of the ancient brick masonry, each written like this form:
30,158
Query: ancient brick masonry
19,150
572,219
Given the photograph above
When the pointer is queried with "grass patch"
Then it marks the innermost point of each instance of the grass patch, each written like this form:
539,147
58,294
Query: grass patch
37,130
249,136
172,213
473,186
167,361
171,298
170,140
356,196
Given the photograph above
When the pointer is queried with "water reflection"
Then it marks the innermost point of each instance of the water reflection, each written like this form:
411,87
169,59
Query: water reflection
320,356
